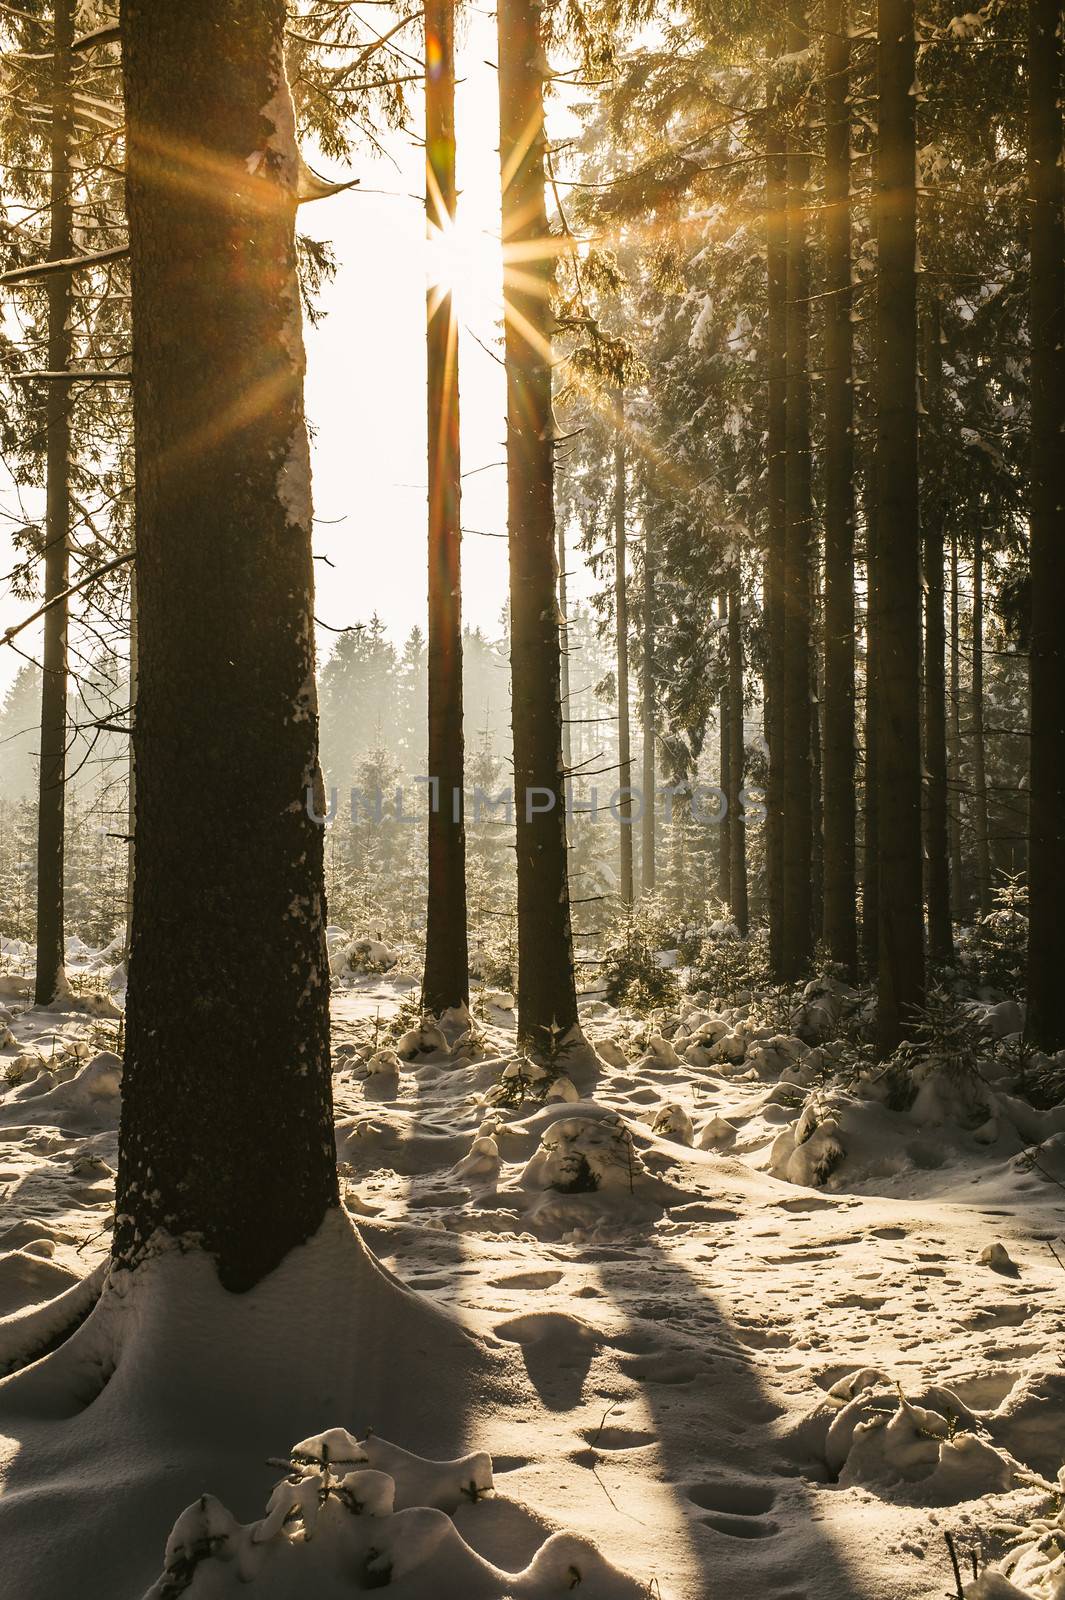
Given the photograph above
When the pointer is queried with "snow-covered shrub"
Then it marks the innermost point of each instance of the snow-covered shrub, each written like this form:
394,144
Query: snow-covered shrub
1034,1569
631,971
521,1082
494,953
880,1437
580,1155
352,1515
729,966
995,953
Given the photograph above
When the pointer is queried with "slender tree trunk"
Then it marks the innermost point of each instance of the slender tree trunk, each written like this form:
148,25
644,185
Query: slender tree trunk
131,801
724,728
840,885
547,1000
983,830
1046,845
737,751
957,880
937,847
776,459
621,628
898,585
647,855
51,820
797,943
228,1137
563,630
817,841
446,982
870,812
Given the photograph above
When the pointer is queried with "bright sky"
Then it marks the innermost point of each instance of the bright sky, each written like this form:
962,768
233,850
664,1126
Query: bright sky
366,379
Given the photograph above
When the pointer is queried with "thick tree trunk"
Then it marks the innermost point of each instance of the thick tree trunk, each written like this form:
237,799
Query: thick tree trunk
797,925
981,818
547,1001
898,583
936,842
724,742
840,886
446,980
51,816
776,457
1046,846
957,867
738,828
621,630
227,1129
647,695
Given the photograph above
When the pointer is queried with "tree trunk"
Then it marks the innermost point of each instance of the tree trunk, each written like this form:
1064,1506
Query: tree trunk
957,880
898,584
446,982
547,1000
563,633
840,922
621,629
647,854
817,842
724,741
1046,845
738,828
871,830
797,929
51,819
937,848
131,798
983,829
227,1127
776,447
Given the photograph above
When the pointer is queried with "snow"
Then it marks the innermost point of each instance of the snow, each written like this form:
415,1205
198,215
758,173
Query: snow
721,1318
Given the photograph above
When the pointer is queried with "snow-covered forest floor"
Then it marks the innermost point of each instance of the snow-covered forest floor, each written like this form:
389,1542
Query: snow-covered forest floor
771,1330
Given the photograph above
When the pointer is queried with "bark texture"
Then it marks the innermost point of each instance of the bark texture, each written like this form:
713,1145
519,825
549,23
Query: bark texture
776,421
796,864
898,582
227,1133
647,698
51,811
547,1001
738,828
1046,866
621,630
936,840
838,778
446,981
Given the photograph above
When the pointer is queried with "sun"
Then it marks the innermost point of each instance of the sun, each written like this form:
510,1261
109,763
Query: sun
464,260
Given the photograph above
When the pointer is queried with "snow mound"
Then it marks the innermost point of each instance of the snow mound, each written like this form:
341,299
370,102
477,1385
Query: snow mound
581,1155
349,958
881,1439
365,1514
88,1098
1034,1569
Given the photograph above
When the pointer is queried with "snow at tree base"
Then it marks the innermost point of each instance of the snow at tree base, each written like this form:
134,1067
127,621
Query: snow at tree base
718,1311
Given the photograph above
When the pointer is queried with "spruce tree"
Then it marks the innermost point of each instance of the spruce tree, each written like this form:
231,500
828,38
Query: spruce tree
840,922
226,1133
897,589
446,980
547,999
1046,867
